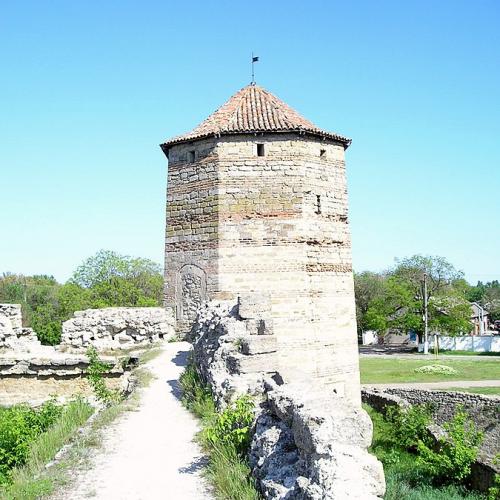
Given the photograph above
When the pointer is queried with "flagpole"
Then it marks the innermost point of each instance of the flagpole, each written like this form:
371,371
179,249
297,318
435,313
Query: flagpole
253,74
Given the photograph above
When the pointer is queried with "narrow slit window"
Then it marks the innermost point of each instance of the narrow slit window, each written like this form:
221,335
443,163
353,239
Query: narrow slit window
322,153
260,149
318,204
191,156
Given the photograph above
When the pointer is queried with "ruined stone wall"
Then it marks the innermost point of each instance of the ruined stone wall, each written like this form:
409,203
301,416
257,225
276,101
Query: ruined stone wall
308,443
264,229
484,411
12,333
117,327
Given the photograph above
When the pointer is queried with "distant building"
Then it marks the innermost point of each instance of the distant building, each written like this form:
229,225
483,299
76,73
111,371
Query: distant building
479,319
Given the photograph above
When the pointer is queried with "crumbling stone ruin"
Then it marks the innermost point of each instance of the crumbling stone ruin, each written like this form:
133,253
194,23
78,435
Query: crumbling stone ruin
308,443
117,327
31,372
12,333
258,274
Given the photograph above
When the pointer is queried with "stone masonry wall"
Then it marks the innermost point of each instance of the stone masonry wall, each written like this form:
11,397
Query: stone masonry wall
117,327
276,224
191,272
234,354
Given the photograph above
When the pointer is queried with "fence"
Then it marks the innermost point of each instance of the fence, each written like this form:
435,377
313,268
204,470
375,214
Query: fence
475,343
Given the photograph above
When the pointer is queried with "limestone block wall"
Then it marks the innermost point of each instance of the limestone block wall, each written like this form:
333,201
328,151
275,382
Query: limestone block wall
117,327
233,351
191,271
314,446
33,378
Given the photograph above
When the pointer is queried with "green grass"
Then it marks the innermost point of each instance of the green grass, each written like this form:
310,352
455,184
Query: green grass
468,353
488,391
387,370
405,479
227,471
33,480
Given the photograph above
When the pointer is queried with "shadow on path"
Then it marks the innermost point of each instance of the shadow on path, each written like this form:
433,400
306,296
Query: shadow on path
181,358
175,388
195,466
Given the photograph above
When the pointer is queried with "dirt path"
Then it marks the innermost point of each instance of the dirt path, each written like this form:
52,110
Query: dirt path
447,384
149,454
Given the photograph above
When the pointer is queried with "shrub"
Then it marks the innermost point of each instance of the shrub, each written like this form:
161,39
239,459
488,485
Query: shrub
405,477
409,424
455,453
95,372
196,395
436,370
231,428
19,426
225,437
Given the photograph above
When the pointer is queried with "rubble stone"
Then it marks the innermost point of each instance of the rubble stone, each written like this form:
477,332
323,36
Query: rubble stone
117,327
309,443
12,333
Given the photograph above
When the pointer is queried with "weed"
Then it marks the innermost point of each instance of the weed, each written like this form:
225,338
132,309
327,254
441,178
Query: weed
410,424
225,437
405,477
95,372
32,480
231,427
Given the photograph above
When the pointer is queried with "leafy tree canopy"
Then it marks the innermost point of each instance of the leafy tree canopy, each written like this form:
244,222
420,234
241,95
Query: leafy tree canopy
398,302
107,279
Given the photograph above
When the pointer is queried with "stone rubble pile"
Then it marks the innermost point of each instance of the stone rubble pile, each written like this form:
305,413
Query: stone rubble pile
309,444
117,327
233,354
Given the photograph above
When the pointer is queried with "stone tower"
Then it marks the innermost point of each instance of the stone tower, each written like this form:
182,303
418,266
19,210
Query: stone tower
257,203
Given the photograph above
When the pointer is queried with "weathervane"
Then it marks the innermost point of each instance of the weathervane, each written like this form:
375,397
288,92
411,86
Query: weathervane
254,60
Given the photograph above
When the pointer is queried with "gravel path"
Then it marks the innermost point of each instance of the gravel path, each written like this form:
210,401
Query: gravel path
149,454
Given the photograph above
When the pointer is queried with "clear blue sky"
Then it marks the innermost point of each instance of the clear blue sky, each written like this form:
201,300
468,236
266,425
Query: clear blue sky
89,89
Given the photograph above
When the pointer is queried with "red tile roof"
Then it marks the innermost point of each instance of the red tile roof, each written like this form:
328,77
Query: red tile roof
252,110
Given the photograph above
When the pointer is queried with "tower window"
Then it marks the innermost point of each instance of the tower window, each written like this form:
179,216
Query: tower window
322,153
318,204
191,156
260,149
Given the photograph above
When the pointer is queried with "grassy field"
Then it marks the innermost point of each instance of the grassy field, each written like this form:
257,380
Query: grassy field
489,391
468,353
387,370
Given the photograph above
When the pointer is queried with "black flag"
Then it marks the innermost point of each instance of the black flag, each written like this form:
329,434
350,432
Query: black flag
255,59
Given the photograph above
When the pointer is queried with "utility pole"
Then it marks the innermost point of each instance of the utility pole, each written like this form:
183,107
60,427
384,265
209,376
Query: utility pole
426,318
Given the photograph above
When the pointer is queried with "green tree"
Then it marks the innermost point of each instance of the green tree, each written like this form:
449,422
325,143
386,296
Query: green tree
119,280
104,280
368,287
401,306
